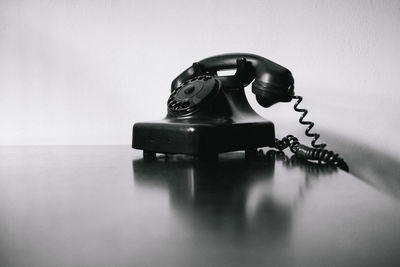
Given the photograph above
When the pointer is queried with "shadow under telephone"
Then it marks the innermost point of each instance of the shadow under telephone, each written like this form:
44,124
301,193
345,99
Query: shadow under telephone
209,114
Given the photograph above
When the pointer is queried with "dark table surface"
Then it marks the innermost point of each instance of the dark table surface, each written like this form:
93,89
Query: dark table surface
105,206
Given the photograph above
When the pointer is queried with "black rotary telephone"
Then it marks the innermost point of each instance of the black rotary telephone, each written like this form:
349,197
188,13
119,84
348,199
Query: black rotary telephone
209,114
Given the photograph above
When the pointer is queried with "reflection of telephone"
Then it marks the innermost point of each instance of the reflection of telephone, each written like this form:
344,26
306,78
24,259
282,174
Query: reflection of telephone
211,196
209,114
242,196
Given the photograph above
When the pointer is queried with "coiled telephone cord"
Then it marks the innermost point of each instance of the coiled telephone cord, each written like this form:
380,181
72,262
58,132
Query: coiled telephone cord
309,123
317,152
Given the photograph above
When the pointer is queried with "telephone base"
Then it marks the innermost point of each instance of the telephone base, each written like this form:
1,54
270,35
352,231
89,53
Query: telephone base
201,140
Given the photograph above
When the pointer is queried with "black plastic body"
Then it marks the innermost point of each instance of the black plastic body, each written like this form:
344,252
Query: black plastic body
224,121
233,126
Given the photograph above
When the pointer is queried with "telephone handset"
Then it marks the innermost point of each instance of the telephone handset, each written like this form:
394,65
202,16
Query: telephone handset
209,114
272,82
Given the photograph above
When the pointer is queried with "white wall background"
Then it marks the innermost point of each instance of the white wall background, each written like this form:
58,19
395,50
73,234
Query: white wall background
82,72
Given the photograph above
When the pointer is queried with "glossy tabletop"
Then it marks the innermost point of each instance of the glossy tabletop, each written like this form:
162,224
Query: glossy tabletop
106,206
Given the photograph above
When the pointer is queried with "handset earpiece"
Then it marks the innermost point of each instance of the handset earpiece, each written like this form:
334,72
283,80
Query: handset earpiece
272,82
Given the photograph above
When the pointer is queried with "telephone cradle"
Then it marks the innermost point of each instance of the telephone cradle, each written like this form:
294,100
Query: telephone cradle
208,114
